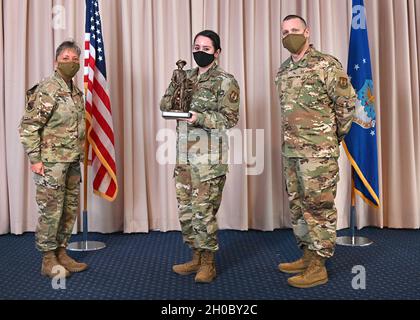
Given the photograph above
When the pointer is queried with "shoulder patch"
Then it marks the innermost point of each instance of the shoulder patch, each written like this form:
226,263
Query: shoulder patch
30,98
234,96
343,82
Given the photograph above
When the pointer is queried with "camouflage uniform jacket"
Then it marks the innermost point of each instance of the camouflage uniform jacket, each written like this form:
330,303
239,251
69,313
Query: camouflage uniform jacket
52,128
317,105
216,101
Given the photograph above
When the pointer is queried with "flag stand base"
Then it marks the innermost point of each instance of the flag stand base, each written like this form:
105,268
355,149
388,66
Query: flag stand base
353,241
85,245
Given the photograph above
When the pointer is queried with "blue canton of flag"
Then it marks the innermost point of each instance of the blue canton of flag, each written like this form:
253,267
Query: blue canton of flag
94,29
360,143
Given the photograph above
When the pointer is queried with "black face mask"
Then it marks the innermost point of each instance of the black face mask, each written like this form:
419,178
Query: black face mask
203,59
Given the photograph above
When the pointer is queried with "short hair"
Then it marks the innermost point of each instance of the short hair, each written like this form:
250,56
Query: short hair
69,44
213,36
294,16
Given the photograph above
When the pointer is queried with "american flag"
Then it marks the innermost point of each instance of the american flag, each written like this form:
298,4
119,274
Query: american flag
100,133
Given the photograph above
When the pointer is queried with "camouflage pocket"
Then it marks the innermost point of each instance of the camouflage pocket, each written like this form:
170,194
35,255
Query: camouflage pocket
320,178
45,181
205,98
311,91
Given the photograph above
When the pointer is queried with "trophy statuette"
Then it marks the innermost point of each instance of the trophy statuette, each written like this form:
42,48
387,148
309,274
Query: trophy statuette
181,99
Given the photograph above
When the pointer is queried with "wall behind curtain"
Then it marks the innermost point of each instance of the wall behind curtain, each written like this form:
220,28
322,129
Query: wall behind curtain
144,39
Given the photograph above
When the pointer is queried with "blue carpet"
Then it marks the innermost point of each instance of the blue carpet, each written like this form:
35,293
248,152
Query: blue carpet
138,266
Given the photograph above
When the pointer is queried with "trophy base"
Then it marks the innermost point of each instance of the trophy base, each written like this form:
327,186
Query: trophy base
176,115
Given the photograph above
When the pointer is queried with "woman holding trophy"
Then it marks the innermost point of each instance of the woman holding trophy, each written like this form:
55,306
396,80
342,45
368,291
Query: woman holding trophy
207,99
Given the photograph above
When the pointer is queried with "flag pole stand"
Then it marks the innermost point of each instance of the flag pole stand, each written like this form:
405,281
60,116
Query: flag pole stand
85,245
353,240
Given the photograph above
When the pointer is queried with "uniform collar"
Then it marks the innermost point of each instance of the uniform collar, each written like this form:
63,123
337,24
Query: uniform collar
206,76
304,61
63,84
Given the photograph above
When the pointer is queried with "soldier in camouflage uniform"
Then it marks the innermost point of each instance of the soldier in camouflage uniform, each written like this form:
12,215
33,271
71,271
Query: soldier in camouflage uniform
52,132
201,169
317,104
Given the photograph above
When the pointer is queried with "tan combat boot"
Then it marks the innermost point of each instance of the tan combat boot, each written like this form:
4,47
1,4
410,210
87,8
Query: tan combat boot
49,261
190,266
68,262
314,275
207,270
297,266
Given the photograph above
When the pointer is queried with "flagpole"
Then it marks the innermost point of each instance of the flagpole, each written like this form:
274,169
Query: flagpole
353,240
353,210
85,245
85,180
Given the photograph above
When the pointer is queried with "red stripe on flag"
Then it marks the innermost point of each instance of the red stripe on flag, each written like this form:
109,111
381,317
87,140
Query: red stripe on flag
111,189
102,94
102,123
104,152
99,177
88,107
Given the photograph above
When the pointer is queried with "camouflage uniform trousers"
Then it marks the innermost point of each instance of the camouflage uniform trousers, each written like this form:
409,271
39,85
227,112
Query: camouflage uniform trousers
198,203
312,186
57,196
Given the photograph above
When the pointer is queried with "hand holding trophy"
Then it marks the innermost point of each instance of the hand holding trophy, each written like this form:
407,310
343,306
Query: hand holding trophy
181,98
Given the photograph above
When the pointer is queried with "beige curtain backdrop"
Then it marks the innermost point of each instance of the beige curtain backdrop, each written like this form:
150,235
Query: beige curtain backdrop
144,39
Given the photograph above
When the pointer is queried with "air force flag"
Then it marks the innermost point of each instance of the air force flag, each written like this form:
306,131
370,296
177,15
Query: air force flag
360,143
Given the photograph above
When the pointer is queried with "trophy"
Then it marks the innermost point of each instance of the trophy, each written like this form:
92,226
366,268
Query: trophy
181,99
